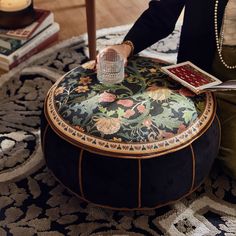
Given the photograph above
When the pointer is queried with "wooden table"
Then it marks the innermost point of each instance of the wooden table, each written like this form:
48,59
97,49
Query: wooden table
91,27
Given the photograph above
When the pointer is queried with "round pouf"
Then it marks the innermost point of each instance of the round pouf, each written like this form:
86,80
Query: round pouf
140,144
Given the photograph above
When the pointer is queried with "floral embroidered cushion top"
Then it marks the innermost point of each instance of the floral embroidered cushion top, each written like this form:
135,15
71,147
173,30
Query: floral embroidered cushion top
147,114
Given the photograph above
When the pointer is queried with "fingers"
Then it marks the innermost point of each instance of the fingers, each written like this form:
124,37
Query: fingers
120,49
125,61
95,63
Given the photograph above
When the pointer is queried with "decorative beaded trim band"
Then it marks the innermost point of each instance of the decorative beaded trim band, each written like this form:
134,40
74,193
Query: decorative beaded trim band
128,42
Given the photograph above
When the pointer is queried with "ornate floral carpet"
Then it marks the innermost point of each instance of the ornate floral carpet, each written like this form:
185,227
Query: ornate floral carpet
32,202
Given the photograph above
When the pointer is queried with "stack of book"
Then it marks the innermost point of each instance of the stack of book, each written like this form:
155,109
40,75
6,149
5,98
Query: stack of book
18,45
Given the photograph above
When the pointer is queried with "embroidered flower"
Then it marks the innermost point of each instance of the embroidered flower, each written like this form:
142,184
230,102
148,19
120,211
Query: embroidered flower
158,93
141,108
107,125
186,92
147,122
82,89
126,102
59,91
181,128
166,135
85,80
153,70
107,97
129,113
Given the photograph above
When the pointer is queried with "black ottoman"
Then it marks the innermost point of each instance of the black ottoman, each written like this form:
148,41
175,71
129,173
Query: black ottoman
140,144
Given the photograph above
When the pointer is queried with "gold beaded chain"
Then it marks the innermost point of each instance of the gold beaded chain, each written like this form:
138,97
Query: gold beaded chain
219,42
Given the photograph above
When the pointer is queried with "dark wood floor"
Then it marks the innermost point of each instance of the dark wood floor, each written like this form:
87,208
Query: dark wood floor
72,18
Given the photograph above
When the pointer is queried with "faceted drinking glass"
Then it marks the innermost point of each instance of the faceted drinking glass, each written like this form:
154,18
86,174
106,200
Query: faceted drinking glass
110,67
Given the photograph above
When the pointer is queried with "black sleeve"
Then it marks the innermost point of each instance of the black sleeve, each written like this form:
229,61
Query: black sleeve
157,22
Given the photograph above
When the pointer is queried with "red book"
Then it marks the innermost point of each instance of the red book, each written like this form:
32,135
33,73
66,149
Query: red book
43,19
33,46
196,79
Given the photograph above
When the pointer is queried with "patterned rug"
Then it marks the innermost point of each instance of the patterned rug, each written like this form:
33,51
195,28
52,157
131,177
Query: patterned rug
32,202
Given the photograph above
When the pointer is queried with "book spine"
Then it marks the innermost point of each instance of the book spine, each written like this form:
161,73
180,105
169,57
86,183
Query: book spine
24,33
39,48
49,19
9,43
43,45
30,45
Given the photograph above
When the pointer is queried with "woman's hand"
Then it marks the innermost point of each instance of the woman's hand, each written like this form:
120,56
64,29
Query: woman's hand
123,49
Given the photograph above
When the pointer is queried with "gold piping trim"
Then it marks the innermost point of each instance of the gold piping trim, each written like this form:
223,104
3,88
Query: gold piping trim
44,134
80,173
139,183
193,166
